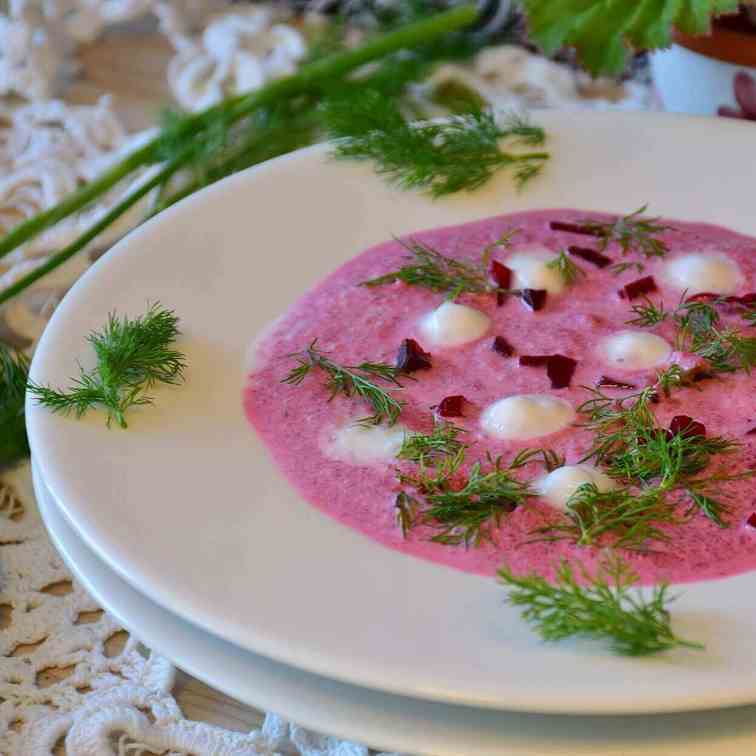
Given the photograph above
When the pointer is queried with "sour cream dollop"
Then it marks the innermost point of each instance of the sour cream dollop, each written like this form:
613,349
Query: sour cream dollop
531,270
524,416
635,350
560,484
703,272
454,324
358,445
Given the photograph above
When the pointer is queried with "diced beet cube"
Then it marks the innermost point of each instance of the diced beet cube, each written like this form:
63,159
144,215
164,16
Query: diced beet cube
501,274
535,299
451,406
608,382
534,360
560,370
412,357
638,288
574,228
590,255
686,427
751,521
502,346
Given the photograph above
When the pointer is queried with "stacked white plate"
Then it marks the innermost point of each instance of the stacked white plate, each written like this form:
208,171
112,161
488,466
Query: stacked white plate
182,526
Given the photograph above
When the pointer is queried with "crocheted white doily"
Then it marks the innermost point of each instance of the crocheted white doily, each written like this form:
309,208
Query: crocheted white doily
71,677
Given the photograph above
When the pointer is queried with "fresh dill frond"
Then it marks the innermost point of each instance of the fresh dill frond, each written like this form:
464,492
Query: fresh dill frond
468,515
700,331
549,458
671,378
352,380
632,447
603,606
566,268
432,270
132,356
648,314
619,268
425,448
14,373
634,233
441,157
630,518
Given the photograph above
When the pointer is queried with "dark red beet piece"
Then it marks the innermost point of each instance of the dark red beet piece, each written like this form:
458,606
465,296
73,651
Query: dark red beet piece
703,296
560,370
751,432
451,406
501,274
534,360
638,288
412,357
686,427
574,228
751,521
502,346
501,297
605,380
590,255
534,298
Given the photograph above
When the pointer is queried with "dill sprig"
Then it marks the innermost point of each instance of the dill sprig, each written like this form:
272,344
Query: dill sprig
428,268
604,607
566,268
469,515
432,270
634,233
630,518
352,380
464,510
634,449
132,356
700,330
14,373
441,157
648,314
427,448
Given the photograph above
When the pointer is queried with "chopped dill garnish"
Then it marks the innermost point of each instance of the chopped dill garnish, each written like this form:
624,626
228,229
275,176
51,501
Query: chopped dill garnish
603,606
132,356
628,516
469,514
633,233
648,314
567,269
671,378
441,157
425,448
14,373
465,511
700,330
352,380
634,449
430,269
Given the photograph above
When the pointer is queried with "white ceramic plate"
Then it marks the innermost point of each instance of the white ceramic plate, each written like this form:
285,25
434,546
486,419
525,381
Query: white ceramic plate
383,720
187,507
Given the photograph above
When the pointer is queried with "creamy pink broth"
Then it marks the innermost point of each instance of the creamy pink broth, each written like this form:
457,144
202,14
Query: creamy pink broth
356,323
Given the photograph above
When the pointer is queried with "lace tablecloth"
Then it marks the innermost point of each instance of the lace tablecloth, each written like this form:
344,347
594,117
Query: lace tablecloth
71,679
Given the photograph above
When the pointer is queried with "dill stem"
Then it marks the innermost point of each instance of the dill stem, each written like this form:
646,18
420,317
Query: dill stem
78,244
305,79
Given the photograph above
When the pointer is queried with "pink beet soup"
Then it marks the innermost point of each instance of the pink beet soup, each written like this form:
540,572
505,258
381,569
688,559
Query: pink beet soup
354,324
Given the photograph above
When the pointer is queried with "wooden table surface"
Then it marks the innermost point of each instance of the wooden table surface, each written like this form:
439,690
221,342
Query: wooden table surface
129,63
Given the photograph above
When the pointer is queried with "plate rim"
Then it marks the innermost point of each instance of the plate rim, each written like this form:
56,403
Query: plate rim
524,703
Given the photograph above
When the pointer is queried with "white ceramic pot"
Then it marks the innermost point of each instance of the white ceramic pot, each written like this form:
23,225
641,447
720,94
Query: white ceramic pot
689,82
